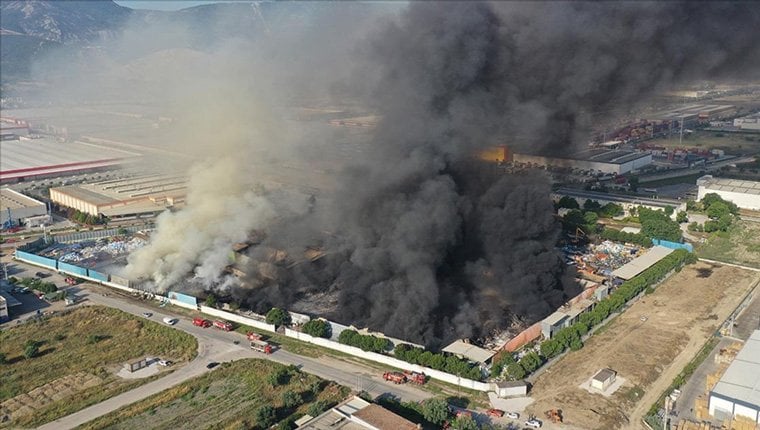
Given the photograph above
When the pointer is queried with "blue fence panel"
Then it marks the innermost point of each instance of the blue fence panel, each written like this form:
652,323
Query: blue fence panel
97,275
673,245
70,268
184,298
37,259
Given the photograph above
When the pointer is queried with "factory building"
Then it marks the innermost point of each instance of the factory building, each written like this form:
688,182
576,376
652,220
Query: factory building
616,161
750,122
737,393
16,208
120,198
31,159
13,129
627,202
745,194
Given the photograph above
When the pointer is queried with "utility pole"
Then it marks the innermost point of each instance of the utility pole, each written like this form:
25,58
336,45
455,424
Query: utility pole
680,139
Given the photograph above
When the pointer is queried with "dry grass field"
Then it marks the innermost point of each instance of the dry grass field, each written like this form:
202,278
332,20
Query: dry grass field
648,345
228,398
79,352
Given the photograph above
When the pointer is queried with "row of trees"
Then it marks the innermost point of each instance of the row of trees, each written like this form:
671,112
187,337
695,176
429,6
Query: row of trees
570,337
445,363
85,218
610,210
364,342
623,236
278,317
39,285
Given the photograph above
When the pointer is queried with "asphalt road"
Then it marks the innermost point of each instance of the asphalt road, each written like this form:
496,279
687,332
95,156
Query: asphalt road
216,345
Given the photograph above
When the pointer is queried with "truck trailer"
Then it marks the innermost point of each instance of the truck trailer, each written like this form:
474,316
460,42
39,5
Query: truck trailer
223,325
261,346
395,377
200,322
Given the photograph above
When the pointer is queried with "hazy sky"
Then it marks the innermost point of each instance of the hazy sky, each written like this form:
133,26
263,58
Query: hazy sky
164,4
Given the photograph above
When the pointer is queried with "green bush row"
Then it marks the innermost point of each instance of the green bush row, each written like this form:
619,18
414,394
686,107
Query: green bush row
364,342
445,363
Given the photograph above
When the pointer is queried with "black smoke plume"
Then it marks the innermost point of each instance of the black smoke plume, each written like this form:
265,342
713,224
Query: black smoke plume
431,245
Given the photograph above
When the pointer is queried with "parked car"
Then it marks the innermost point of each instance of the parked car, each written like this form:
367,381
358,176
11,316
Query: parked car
513,415
165,363
42,274
212,365
497,413
147,314
170,321
533,423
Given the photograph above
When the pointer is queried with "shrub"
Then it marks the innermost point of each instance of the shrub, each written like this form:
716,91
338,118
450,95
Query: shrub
450,364
515,371
317,408
291,399
265,416
317,328
278,317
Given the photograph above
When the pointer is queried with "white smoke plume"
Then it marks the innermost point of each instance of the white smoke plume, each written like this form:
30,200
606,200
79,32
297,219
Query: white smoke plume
221,210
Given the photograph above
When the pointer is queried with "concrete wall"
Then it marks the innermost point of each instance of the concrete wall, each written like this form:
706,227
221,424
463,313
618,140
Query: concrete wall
390,361
261,325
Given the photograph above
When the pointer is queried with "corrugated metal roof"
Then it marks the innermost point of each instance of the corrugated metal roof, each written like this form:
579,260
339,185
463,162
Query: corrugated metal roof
741,381
15,200
470,351
642,263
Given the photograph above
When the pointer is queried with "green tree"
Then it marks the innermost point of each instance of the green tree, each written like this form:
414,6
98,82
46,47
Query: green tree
568,202
692,205
669,210
278,317
291,399
435,410
718,210
682,217
590,219
591,205
611,210
3,358
317,408
265,416
211,300
515,371
465,422
317,328
530,362
551,348
278,377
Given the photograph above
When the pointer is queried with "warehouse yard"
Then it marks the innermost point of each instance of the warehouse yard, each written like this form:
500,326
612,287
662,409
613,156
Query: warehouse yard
648,345
230,398
78,355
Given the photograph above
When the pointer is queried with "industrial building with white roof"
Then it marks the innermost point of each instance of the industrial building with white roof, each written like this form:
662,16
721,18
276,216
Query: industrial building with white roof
745,194
39,158
140,195
737,393
617,161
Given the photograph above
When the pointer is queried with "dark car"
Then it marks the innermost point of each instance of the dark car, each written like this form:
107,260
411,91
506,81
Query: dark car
212,365
42,274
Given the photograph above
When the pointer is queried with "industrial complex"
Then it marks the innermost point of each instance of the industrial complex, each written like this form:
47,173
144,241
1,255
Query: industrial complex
142,195
744,194
737,393
17,209
616,161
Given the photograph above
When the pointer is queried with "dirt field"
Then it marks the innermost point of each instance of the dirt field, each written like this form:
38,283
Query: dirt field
227,398
78,355
680,316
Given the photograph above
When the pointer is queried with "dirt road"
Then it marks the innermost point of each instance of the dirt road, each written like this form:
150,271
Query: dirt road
648,346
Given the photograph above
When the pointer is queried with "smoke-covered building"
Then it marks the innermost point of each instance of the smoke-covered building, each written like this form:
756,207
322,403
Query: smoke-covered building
745,194
603,160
